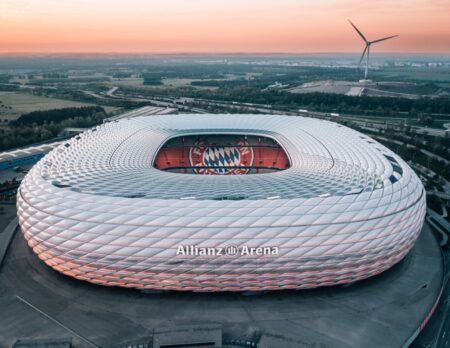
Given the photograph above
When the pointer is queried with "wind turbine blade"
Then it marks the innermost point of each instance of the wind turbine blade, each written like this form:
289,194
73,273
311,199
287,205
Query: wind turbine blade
384,38
357,30
362,56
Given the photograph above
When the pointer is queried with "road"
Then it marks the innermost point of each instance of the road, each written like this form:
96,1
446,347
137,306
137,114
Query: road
111,92
442,195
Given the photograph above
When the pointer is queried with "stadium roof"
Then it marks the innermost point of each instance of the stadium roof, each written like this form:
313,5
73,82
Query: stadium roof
326,159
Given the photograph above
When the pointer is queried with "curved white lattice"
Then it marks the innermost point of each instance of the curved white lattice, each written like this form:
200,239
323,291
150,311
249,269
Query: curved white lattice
96,209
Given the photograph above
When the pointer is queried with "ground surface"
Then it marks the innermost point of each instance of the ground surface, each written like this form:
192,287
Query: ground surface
38,302
18,103
370,88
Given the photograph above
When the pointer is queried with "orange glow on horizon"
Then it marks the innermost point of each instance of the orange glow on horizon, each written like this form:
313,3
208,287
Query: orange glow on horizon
216,26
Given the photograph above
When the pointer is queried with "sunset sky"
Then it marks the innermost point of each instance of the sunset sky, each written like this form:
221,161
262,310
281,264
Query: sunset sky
175,26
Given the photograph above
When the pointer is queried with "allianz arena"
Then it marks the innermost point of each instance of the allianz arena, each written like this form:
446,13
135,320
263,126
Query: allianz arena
221,203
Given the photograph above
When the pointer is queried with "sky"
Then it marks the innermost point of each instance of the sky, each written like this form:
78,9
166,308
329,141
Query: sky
222,26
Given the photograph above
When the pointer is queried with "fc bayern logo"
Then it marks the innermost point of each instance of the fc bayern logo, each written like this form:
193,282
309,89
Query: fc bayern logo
212,159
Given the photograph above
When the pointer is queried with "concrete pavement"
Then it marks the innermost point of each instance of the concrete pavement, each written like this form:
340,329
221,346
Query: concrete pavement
385,310
5,238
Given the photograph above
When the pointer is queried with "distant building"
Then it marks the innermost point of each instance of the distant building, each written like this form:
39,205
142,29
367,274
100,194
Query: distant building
277,85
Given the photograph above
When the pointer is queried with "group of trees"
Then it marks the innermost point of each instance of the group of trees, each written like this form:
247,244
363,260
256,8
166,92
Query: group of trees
4,78
152,79
55,115
153,75
41,126
68,82
12,137
8,87
434,203
55,75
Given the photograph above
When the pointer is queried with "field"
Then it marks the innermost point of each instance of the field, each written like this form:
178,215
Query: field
126,82
16,103
166,82
439,76
181,82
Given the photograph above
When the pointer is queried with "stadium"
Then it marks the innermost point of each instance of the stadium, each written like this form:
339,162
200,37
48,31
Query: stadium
221,203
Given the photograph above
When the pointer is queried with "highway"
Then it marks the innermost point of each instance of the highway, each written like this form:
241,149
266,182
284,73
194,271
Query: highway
111,92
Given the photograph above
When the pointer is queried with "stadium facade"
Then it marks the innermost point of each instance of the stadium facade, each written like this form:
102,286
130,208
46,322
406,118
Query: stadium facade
221,203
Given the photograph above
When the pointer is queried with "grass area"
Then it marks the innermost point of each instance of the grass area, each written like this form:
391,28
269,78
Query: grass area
126,82
138,82
17,103
438,75
180,82
443,85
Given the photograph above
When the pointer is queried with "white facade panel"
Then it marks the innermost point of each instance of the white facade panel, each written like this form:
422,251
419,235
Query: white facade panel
96,209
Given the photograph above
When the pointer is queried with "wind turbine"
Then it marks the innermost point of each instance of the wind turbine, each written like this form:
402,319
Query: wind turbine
366,51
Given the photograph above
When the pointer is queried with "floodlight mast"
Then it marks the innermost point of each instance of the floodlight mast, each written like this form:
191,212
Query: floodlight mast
366,51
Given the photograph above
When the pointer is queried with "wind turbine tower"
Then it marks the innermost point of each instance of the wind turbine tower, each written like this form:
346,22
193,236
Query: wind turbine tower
366,52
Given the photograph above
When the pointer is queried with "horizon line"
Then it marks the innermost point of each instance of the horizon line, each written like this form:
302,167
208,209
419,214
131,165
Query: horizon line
175,53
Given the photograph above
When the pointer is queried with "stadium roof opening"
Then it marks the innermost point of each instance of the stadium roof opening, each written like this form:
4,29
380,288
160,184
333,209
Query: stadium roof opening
221,154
